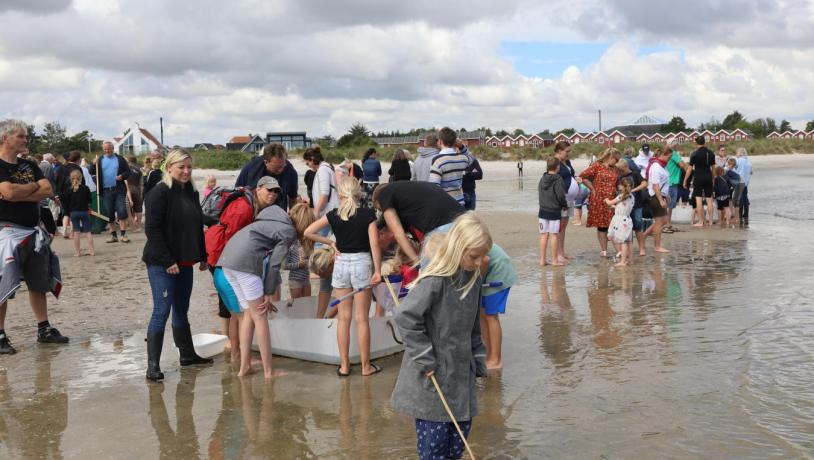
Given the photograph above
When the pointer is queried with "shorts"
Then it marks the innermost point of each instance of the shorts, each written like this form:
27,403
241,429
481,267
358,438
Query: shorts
225,292
568,211
298,278
352,271
247,286
115,201
325,285
638,220
35,267
683,195
549,226
80,221
493,304
723,204
137,201
656,209
673,197
702,188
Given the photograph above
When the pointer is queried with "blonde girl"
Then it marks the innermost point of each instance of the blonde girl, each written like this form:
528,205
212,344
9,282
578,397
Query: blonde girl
621,225
439,323
299,278
357,238
209,184
77,204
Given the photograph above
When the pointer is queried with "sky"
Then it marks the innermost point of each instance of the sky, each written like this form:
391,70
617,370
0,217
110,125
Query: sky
215,69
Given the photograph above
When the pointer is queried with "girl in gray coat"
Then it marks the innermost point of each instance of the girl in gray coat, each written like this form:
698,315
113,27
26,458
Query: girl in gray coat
251,263
439,323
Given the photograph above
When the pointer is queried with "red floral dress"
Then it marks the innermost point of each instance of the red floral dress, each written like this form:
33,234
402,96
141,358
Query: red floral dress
604,179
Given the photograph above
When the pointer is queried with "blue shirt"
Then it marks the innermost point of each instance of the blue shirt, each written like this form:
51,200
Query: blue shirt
744,169
110,169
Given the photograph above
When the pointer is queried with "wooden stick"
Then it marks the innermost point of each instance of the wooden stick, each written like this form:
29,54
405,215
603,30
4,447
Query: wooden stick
98,191
98,216
451,416
437,387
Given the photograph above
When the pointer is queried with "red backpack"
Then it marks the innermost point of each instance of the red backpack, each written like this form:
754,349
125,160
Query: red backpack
215,236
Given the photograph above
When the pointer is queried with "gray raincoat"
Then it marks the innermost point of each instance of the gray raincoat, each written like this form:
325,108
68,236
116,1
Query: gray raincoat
441,332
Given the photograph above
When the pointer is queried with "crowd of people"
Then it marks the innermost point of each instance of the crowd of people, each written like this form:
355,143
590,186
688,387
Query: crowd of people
351,230
631,197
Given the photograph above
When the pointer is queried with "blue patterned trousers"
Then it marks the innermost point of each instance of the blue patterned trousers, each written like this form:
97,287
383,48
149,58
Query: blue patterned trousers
440,440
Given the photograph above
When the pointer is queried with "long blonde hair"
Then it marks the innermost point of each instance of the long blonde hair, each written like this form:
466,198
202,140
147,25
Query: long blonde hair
76,179
607,153
175,156
350,190
467,233
322,261
302,217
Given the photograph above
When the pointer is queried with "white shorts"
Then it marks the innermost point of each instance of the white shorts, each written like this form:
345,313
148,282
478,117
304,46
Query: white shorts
247,286
549,226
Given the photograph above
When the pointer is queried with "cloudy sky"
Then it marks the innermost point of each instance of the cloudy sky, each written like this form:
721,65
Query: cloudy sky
214,69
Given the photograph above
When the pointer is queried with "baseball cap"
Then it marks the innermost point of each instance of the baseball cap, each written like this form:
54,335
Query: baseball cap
645,148
268,183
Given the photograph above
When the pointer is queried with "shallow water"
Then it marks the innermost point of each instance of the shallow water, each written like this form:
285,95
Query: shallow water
706,353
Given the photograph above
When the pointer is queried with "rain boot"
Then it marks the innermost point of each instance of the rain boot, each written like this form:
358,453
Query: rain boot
746,214
155,341
183,340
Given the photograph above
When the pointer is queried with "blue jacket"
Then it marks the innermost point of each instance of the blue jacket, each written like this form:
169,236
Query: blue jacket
372,170
288,179
123,170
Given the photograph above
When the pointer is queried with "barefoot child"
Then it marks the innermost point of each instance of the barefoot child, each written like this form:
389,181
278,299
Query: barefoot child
78,203
299,278
621,226
357,237
723,193
551,193
498,268
439,323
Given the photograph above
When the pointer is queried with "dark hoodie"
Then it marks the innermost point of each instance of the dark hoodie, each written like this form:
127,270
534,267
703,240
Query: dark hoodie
551,191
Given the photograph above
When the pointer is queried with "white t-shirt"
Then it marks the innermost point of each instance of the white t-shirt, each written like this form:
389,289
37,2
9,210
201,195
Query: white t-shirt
325,184
658,175
642,160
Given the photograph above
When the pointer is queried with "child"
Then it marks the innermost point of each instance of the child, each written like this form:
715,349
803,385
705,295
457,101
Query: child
356,239
621,226
734,180
209,184
722,195
439,323
551,192
299,279
78,203
581,201
497,268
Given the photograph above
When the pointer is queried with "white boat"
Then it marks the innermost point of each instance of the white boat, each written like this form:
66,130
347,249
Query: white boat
297,333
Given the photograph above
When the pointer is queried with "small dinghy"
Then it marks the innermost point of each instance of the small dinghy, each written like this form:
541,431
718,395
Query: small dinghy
208,345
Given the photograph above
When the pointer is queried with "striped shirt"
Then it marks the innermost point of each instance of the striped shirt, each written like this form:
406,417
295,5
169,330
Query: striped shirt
292,264
447,171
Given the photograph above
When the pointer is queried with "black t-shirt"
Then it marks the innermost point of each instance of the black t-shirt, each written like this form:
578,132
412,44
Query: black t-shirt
351,235
421,206
134,179
702,160
20,213
78,200
640,197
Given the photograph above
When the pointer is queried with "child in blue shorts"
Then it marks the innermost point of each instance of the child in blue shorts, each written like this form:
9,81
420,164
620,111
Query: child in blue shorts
493,302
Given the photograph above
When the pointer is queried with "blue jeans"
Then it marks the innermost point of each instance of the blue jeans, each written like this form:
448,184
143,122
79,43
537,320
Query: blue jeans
170,293
115,201
470,200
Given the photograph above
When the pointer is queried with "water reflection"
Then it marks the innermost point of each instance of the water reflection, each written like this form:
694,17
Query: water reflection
492,437
32,425
557,320
183,441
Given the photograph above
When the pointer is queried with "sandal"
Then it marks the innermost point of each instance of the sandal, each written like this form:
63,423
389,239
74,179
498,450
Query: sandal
340,373
667,230
376,370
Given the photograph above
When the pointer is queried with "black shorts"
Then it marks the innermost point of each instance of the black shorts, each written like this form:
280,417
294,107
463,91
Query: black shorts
722,204
137,202
702,188
656,209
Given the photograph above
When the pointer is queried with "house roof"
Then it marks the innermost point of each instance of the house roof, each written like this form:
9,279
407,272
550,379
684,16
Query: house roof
254,139
150,136
239,140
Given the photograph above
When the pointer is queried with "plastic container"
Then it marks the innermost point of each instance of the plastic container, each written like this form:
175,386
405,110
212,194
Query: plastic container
208,345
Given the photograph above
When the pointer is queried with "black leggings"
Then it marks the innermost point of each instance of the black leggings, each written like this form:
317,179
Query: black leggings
602,229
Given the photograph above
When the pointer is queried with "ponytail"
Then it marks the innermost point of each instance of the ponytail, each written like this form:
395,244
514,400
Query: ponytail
349,193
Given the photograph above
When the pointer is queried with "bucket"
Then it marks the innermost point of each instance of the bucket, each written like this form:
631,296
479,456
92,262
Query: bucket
208,345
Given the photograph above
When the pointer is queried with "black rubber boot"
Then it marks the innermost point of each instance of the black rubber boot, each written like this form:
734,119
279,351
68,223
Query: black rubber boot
183,340
155,342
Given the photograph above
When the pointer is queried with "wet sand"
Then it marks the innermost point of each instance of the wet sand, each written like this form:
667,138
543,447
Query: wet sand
705,352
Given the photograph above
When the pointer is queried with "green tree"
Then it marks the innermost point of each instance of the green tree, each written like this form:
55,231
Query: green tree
501,133
566,131
518,132
358,135
785,125
809,125
34,140
675,125
53,136
731,121
486,131
545,132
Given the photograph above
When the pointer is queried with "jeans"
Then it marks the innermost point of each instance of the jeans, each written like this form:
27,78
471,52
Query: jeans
470,201
170,293
115,201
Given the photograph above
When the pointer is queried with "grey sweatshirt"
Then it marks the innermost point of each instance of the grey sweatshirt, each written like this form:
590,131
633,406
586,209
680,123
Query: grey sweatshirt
421,171
551,192
441,333
261,247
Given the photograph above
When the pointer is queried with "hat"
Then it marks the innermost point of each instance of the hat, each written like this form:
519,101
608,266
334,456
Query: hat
646,148
268,183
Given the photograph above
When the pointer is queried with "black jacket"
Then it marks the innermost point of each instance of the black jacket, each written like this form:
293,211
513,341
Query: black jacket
173,225
400,170
473,173
288,180
124,171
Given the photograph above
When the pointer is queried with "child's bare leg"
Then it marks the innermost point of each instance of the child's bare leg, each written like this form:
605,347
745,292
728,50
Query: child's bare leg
578,215
379,310
557,257
344,313
91,250
484,331
543,248
361,315
234,335
76,247
494,341
603,241
295,293
263,339
246,333
642,243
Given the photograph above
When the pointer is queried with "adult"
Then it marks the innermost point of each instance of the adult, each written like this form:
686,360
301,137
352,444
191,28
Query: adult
643,158
562,150
447,170
135,198
154,177
238,212
640,200
675,166
473,172
273,161
175,243
400,167
63,183
744,169
26,249
113,172
371,172
308,178
720,157
627,155
658,186
421,171
601,179
701,162
420,208
45,163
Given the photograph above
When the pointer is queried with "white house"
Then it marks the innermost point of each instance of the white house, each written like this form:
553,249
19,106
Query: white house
135,141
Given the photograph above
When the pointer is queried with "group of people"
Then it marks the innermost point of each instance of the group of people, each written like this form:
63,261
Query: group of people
629,196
